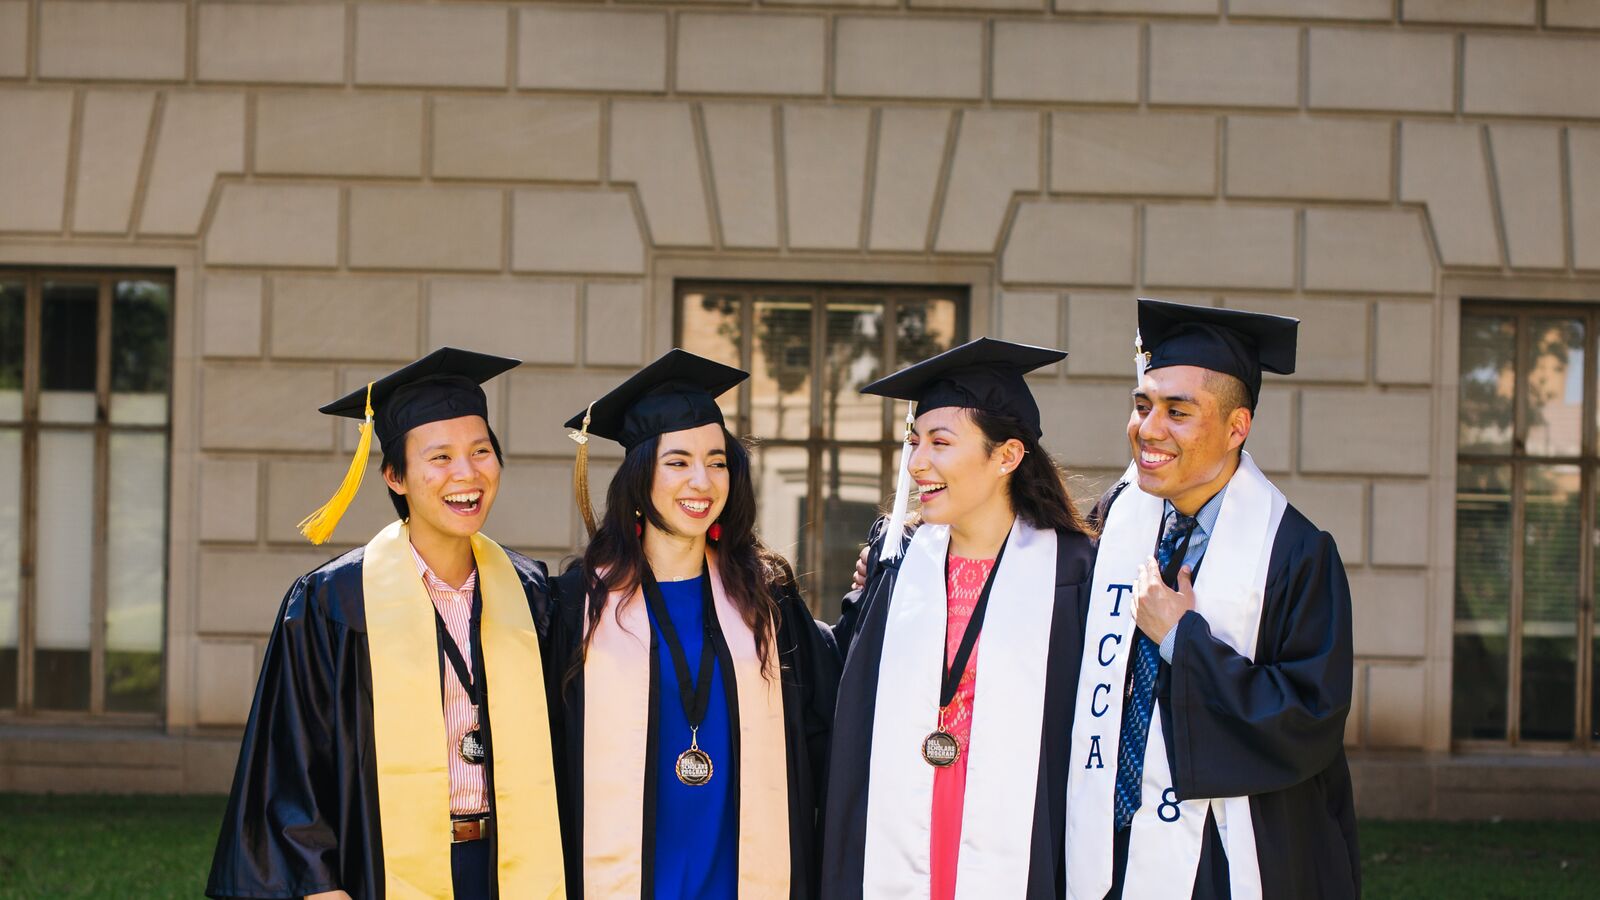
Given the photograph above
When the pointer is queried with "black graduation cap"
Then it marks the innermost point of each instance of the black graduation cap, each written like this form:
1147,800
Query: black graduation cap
676,392
983,374
1232,341
442,385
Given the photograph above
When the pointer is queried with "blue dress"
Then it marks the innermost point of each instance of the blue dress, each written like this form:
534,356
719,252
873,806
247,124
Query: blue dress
696,828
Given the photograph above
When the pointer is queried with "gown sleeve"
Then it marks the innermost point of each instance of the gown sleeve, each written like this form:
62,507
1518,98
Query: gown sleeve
279,833
1242,727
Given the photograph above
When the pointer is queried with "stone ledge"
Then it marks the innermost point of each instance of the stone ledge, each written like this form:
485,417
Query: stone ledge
42,759
1472,786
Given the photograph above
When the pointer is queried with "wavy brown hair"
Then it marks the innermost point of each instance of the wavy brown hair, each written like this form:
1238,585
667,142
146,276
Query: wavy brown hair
753,576
1038,488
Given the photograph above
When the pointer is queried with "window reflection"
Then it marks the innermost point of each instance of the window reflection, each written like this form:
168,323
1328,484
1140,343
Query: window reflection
1555,387
141,316
12,329
68,349
1488,384
1483,591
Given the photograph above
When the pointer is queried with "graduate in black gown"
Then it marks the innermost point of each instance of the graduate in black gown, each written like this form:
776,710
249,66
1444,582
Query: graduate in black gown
362,750
950,736
1208,755
696,691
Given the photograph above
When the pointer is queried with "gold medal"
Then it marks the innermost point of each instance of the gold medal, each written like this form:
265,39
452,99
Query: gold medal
694,765
471,748
940,748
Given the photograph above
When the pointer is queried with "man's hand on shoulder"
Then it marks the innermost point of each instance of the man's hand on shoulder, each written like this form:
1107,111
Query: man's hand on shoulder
859,581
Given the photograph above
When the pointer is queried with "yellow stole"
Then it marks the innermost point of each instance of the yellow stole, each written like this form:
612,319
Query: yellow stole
616,705
409,733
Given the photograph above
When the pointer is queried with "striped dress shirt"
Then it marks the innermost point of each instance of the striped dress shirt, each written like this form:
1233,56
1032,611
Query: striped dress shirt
468,793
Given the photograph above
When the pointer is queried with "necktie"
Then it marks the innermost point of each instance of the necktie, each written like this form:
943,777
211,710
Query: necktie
1141,693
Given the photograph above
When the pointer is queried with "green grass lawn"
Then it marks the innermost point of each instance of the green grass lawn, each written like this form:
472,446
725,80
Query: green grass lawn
90,846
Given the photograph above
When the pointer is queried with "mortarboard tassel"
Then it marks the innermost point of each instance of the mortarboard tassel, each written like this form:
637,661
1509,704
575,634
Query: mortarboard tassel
1140,357
894,535
580,473
318,526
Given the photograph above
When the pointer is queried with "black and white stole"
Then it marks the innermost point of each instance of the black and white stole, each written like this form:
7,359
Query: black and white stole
1164,850
1007,721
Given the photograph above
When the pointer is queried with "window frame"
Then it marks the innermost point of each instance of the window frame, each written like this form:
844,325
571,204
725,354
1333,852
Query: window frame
30,427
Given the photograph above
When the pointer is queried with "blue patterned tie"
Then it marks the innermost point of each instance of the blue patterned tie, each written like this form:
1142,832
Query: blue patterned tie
1141,694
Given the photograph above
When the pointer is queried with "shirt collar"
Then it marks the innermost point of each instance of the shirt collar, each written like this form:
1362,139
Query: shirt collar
1206,518
434,581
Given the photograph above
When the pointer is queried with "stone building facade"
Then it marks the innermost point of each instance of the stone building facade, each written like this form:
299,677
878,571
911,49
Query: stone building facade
334,188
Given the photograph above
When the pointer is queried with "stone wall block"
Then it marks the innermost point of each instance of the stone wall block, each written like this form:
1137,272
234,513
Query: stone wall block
456,45
339,134
1085,425
592,50
541,400
110,149
1230,65
897,57
1363,10
1527,167
911,145
1066,61
751,54
1571,14
271,42
1364,432
344,318
653,146
1382,70
740,144
230,315
113,39
1032,5
997,154
1343,159
1337,507
1531,76
1333,335
1094,320
1405,342
225,680
228,497
1583,150
1390,612
535,321
1219,246
1156,7
1442,165
1395,706
1030,317
1473,12
522,516
281,413
201,136
1133,153
452,229
33,158
296,487
825,155
575,231
1400,525
1272,431
275,225
1070,243
613,324
14,39
244,588
516,138
1367,250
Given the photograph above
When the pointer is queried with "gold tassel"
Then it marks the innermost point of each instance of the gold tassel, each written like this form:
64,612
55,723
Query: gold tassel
580,474
318,526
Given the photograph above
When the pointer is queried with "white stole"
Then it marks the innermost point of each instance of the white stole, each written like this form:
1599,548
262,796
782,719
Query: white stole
1164,849
1007,721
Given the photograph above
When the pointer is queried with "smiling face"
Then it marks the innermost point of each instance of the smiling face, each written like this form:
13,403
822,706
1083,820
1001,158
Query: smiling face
955,469
1183,435
690,483
451,476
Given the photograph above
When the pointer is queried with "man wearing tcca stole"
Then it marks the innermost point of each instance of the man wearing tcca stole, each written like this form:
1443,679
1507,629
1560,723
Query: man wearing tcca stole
1207,746
369,767
950,738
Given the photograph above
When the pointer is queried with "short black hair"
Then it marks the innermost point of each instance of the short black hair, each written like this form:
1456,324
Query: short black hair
394,460
1230,392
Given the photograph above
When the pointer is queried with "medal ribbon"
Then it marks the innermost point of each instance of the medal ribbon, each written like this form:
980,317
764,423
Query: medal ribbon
458,663
969,640
695,700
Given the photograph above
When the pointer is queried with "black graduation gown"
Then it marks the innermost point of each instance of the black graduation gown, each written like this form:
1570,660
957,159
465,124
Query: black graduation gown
303,813
1272,730
860,633
810,665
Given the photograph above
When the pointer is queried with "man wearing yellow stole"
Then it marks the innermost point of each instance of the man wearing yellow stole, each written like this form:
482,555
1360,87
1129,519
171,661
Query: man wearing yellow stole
369,767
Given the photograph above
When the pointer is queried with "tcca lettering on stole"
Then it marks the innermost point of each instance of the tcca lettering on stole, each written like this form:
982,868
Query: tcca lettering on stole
1097,705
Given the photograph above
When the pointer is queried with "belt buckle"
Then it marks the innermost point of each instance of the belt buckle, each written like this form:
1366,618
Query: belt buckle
464,830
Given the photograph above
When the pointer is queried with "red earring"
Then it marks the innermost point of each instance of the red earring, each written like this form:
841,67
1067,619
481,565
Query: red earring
638,524
715,531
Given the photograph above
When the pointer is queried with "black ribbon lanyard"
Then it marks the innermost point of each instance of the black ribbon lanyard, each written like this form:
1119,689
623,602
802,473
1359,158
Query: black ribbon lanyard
969,640
457,661
696,699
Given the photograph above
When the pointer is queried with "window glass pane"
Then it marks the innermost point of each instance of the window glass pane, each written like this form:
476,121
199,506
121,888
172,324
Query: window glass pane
780,364
68,350
1555,387
852,500
1552,512
140,313
924,328
1488,384
136,571
65,529
781,494
10,560
710,327
11,335
1483,591
851,360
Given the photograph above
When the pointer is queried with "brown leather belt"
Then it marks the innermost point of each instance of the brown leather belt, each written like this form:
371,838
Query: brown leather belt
463,830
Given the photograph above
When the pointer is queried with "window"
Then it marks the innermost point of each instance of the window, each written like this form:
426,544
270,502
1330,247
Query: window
1526,527
825,455
85,362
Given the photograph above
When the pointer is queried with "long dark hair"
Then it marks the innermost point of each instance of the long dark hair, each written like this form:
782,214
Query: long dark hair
1038,488
753,576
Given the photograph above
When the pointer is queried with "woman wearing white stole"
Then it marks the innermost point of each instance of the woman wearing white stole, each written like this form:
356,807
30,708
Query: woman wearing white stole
950,737
1207,750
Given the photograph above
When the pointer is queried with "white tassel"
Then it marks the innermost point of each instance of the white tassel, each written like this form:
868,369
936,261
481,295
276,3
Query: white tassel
1140,358
894,535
